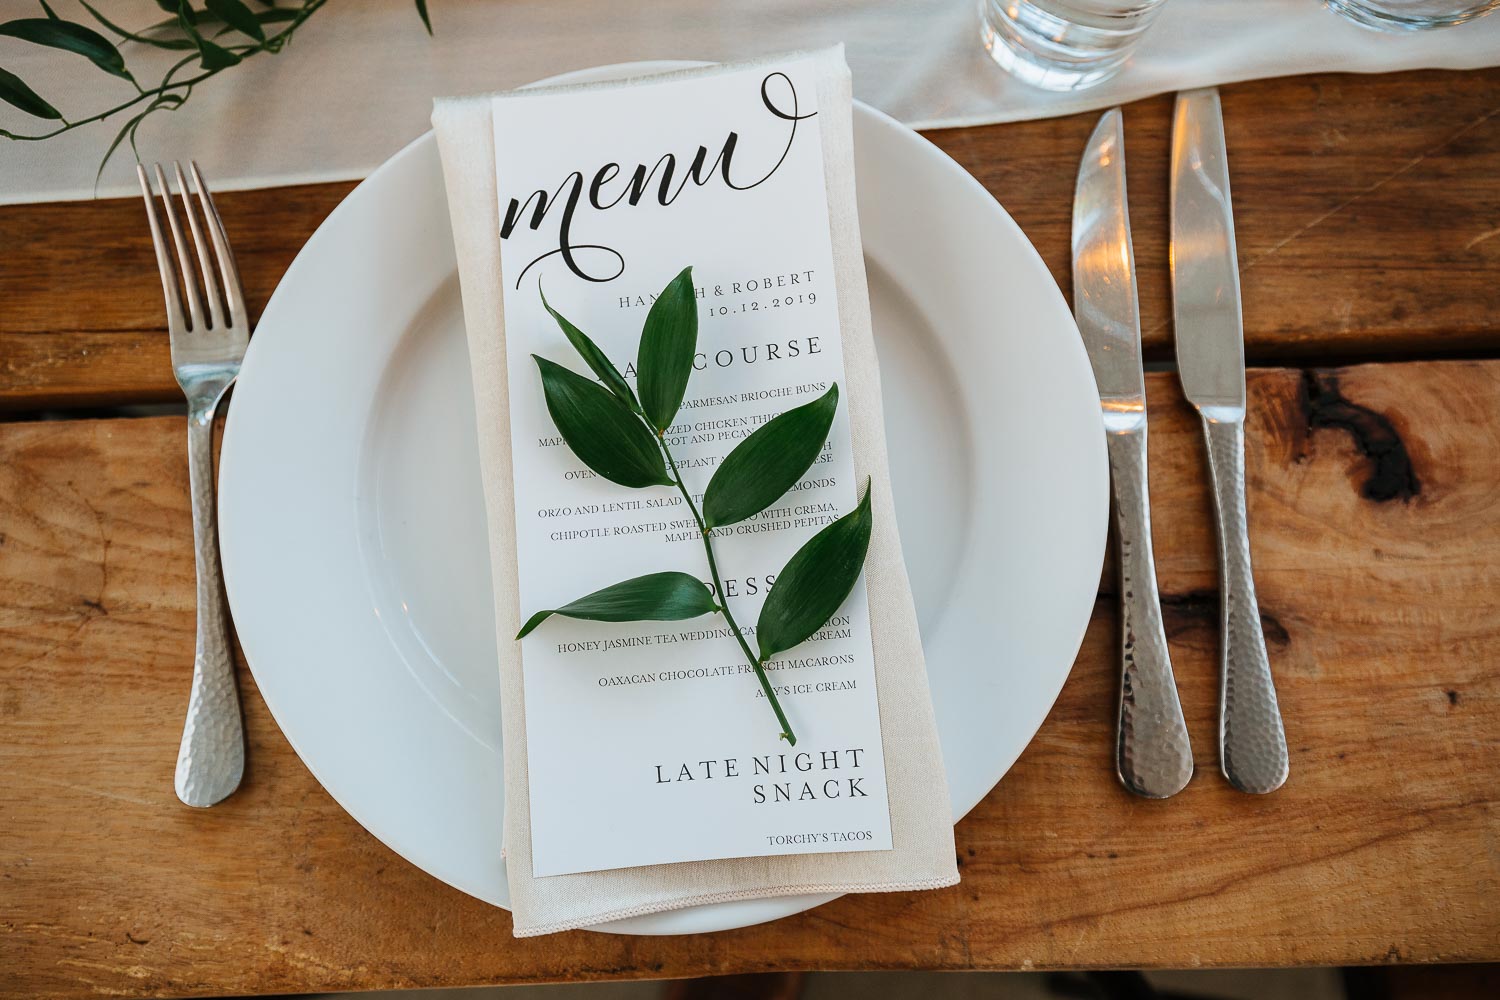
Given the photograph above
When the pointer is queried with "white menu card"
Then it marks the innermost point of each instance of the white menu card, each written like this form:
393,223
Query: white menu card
651,743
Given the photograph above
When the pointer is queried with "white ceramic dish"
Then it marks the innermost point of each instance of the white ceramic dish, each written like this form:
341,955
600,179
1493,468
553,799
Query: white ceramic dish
352,525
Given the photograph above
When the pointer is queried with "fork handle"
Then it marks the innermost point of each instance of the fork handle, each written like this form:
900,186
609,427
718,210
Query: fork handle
1252,741
1152,755
211,759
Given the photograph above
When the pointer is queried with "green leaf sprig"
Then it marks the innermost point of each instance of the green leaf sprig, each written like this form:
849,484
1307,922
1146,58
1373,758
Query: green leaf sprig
622,438
216,35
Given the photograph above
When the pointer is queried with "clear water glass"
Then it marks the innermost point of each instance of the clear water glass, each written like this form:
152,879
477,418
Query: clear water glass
1411,15
1064,44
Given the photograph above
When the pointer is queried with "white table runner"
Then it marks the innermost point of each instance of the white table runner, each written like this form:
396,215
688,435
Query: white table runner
358,80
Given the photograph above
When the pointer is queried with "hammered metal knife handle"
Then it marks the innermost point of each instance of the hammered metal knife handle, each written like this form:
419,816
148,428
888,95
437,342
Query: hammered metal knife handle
211,759
1152,753
1252,742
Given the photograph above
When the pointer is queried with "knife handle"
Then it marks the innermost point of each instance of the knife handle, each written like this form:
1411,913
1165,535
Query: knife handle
1252,742
1152,754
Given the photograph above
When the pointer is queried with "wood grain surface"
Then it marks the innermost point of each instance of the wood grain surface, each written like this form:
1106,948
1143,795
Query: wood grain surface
1372,493
1367,212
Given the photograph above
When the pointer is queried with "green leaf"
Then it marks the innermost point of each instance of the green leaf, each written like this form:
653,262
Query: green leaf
15,93
657,597
596,359
422,13
187,20
761,468
215,57
70,37
237,16
668,345
183,11
275,15
602,432
815,582
211,56
50,12
160,43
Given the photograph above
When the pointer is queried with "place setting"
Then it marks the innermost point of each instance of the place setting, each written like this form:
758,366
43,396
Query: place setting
646,687
395,523
667,496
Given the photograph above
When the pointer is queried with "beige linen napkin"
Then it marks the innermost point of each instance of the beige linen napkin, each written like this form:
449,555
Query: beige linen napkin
921,828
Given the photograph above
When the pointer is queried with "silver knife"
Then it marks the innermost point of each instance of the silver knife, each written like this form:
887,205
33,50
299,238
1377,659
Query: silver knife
1211,362
1152,754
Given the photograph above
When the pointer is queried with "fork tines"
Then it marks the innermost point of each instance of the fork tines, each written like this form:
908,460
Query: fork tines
198,290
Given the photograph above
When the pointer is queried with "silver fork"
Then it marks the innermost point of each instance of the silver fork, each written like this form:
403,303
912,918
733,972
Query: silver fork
207,348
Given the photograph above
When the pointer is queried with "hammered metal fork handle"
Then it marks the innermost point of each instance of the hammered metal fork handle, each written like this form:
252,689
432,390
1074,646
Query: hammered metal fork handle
211,759
1252,742
1152,754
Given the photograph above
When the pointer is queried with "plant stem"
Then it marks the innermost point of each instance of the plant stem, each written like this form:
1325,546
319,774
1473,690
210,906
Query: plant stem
271,43
68,126
713,568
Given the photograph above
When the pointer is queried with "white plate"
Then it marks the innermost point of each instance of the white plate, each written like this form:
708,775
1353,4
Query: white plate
353,530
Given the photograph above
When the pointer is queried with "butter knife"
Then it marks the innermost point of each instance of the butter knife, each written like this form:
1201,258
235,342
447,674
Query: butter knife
1211,362
1152,754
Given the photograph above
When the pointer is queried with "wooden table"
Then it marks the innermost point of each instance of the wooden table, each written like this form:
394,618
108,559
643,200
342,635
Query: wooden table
1369,235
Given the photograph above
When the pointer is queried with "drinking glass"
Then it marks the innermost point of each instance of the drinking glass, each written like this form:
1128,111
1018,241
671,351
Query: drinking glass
1411,15
1064,44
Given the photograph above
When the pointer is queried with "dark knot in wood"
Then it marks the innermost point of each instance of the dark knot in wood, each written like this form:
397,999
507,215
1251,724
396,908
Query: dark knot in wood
1392,476
1196,608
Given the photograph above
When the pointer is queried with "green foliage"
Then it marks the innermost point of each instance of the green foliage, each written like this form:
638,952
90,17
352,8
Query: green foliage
624,440
668,345
657,597
600,365
761,468
15,93
59,34
237,16
815,582
601,430
215,36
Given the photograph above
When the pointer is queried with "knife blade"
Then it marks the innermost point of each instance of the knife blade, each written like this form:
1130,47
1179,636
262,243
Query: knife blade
1211,363
1153,757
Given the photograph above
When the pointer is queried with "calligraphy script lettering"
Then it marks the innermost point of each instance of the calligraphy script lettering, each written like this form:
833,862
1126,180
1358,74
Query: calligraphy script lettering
668,184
